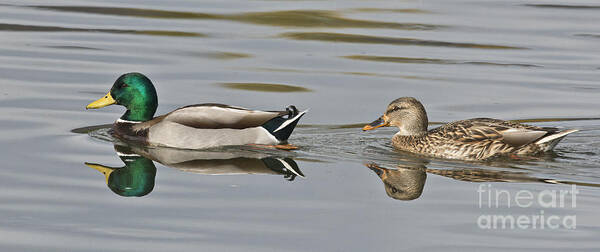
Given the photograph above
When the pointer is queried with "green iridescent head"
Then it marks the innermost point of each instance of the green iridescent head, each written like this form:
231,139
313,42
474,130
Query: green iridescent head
134,91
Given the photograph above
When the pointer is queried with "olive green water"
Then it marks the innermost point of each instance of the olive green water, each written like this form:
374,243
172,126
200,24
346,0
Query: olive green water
343,190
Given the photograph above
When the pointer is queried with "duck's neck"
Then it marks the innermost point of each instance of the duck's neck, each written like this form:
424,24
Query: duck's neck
138,115
141,109
416,126
414,133
413,128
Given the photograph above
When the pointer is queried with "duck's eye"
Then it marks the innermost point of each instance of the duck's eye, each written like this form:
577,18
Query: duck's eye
124,85
394,109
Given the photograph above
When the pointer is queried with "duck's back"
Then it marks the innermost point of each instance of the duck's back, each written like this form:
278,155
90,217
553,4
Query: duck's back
477,139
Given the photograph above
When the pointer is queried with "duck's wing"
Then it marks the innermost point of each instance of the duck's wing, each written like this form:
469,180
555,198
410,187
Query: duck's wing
216,116
481,129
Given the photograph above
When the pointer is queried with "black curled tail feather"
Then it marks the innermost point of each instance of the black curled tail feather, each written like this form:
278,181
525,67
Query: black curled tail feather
292,111
280,127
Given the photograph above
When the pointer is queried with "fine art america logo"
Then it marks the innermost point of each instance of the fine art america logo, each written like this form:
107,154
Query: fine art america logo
546,202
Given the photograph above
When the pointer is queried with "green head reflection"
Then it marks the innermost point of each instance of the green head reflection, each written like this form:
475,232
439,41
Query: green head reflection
136,178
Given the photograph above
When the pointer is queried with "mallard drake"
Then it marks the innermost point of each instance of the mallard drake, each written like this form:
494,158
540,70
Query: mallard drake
472,139
194,126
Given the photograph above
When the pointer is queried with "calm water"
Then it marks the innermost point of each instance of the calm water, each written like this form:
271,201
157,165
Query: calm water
343,190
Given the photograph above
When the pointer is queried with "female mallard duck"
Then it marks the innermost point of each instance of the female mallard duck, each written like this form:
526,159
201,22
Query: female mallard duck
194,126
472,139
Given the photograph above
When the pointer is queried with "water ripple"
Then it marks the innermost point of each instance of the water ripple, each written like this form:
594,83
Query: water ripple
265,87
431,61
38,28
563,6
287,18
355,38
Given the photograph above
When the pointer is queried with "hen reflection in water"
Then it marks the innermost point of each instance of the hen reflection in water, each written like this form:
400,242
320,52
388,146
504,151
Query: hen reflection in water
137,177
406,181
402,183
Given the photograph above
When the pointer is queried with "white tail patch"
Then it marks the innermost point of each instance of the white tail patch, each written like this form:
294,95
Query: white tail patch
556,136
287,122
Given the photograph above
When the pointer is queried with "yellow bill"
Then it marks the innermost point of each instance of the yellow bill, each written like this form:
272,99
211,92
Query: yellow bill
101,168
102,102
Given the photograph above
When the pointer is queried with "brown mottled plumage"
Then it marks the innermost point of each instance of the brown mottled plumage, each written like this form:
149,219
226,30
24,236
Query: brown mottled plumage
472,139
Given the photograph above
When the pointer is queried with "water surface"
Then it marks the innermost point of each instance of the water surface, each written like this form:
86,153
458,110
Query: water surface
343,189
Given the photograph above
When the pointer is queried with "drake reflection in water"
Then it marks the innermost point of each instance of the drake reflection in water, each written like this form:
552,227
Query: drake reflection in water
137,177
